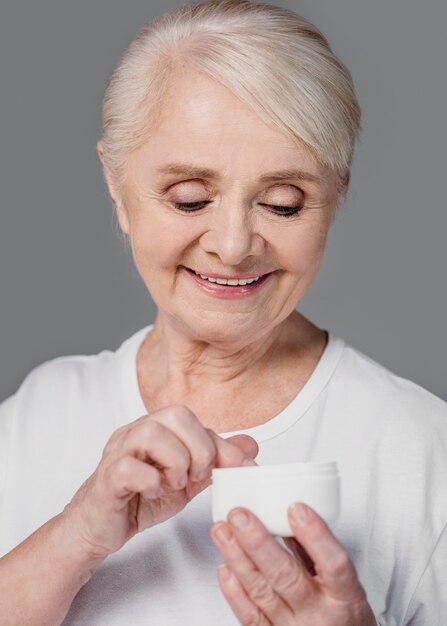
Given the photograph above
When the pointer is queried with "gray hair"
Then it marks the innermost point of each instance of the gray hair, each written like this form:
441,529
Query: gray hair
271,58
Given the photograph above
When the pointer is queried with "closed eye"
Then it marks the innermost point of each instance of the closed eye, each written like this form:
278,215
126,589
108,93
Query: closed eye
275,208
191,206
282,210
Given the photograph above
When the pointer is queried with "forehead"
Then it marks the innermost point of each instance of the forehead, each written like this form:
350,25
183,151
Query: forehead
203,123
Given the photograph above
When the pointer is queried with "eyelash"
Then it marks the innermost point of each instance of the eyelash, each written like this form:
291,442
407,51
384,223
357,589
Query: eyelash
286,211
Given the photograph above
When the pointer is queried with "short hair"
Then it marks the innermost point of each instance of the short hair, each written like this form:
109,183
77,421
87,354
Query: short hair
271,58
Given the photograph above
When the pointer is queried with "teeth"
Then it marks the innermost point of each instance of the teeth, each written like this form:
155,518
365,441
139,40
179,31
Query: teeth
230,281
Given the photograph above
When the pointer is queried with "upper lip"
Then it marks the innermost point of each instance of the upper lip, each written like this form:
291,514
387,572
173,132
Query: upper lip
229,277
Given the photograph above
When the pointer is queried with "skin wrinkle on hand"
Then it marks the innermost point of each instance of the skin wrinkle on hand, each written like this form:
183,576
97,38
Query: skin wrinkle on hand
266,582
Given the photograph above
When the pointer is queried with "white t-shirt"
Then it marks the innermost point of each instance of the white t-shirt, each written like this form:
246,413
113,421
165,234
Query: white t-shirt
387,434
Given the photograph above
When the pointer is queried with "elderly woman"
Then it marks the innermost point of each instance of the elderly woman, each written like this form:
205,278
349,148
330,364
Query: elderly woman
228,138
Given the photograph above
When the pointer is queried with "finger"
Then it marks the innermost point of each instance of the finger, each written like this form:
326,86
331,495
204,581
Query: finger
287,576
226,456
244,609
247,444
127,476
257,588
300,554
200,445
194,488
332,563
155,444
229,453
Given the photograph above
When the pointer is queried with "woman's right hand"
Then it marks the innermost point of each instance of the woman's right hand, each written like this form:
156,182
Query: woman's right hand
150,469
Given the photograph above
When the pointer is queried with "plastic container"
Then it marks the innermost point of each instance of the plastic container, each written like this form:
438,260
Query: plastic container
269,490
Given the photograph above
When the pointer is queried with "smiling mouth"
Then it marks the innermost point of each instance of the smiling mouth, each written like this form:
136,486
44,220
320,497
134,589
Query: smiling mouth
230,282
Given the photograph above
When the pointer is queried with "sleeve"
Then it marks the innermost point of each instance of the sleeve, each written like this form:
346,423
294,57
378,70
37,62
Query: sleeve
428,604
13,412
7,414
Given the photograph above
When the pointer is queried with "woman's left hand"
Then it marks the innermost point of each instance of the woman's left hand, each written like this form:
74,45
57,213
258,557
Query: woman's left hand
266,586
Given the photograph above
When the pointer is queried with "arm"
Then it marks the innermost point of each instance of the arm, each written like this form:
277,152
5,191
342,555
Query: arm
150,469
42,575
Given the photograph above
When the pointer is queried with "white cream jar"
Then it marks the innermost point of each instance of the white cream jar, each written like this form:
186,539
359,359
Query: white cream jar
269,490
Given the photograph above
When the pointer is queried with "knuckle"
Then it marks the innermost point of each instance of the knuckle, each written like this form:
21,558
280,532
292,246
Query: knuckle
119,431
252,618
122,470
340,564
148,429
287,576
113,441
151,483
113,438
181,412
205,458
143,435
261,592
257,538
182,464
108,451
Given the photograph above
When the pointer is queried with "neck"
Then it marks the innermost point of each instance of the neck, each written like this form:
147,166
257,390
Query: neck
228,387
189,361
185,363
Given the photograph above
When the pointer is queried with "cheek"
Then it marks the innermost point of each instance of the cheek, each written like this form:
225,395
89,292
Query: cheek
303,252
159,244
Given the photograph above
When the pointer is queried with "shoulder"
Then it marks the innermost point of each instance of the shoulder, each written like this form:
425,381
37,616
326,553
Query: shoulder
388,422
52,397
68,385
64,376
69,400
49,393
68,376
390,397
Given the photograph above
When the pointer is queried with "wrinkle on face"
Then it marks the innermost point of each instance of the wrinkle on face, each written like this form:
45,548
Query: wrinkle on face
205,126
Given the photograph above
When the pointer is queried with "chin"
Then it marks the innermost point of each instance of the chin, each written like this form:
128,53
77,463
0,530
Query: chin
221,331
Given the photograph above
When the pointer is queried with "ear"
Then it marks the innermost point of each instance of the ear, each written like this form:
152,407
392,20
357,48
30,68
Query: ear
121,212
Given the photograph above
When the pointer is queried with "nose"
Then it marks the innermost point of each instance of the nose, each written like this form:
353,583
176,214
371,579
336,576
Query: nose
232,234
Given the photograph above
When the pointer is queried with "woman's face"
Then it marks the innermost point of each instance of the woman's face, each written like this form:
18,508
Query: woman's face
217,192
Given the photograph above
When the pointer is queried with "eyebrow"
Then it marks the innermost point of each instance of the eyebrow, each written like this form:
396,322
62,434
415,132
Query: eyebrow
183,169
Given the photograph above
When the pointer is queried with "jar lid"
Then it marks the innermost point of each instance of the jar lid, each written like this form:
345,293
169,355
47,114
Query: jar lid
265,472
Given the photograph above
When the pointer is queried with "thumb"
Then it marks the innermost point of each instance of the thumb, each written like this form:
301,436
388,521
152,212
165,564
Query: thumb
245,443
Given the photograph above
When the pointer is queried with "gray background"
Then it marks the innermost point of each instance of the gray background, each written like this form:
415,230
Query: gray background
67,282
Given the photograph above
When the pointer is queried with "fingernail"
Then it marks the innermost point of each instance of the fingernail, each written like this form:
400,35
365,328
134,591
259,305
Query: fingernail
248,463
239,519
300,514
224,572
223,533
